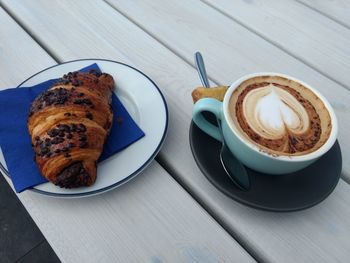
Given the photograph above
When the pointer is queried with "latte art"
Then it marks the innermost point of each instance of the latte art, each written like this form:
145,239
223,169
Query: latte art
280,116
271,111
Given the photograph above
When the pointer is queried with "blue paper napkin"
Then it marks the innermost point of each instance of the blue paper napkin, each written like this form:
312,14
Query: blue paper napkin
15,140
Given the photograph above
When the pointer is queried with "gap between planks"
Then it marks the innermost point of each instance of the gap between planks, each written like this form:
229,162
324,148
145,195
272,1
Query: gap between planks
191,63
31,34
211,212
18,260
322,13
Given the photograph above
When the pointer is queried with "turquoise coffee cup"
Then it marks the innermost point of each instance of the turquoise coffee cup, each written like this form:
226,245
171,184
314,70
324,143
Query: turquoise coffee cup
248,153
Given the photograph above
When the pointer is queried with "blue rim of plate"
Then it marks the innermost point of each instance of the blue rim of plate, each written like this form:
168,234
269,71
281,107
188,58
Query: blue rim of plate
132,175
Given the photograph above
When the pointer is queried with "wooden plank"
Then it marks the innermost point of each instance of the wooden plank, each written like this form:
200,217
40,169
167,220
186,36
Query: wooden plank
311,37
151,218
337,10
14,59
314,235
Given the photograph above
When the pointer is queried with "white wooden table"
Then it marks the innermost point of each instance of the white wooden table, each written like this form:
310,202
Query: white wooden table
171,213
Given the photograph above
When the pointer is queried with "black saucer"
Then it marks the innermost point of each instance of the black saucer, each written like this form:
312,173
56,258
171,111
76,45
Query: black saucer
283,193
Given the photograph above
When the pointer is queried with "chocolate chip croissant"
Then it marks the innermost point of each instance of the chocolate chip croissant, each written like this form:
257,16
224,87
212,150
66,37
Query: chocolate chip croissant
69,124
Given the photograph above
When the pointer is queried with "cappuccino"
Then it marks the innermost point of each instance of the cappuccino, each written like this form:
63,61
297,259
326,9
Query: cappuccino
280,116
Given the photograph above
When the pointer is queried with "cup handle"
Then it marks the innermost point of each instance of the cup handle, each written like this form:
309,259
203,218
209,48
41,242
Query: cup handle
212,105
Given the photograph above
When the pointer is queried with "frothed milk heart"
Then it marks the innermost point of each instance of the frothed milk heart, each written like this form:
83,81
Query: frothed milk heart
280,116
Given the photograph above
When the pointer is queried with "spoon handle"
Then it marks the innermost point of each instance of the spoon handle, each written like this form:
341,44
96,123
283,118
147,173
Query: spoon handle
232,166
201,69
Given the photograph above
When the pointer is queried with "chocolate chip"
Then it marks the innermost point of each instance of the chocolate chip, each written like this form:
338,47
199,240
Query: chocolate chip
37,138
57,140
61,134
81,128
89,115
81,94
73,127
57,151
87,101
56,96
44,150
69,136
83,102
78,101
67,155
65,149
63,127
83,144
71,145
53,133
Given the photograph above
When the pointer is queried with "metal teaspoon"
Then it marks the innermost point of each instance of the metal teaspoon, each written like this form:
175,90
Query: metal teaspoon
232,166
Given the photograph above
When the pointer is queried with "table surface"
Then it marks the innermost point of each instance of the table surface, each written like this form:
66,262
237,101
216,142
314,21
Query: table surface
170,212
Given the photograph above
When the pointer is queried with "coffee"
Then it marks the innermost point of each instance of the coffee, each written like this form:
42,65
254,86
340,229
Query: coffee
280,116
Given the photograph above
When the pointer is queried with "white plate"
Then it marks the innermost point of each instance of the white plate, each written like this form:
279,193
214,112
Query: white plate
147,106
